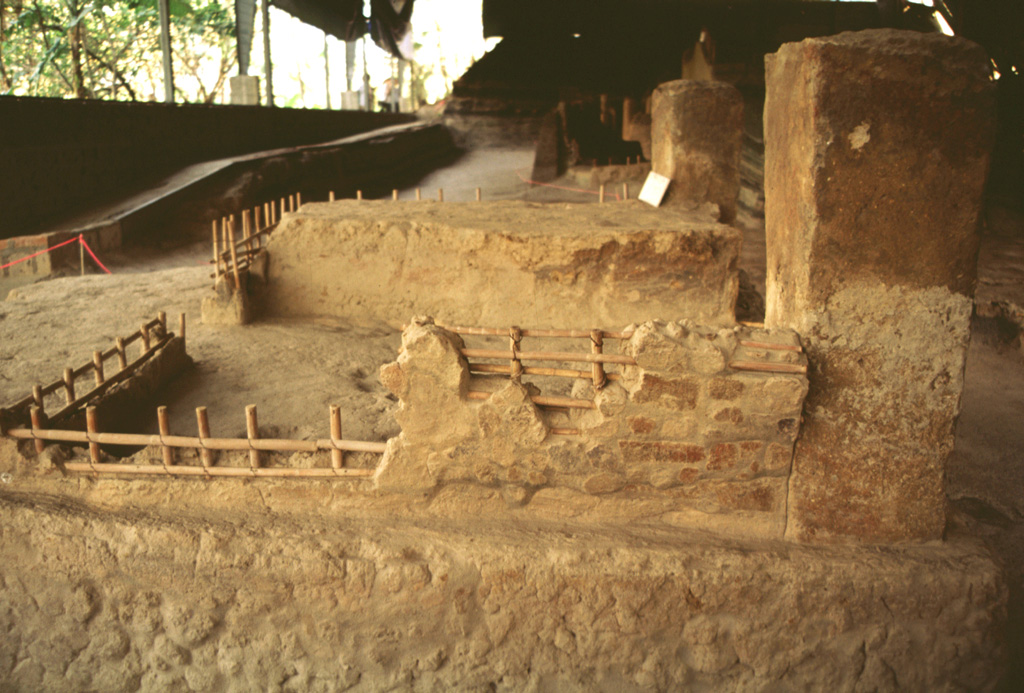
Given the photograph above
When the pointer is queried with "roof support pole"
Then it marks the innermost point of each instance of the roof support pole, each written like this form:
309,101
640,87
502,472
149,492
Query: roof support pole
165,49
267,68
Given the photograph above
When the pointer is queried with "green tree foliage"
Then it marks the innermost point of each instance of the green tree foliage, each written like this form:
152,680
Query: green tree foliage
110,49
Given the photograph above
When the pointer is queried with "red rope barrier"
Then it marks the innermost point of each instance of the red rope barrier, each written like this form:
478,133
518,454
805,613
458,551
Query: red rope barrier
93,255
80,239
29,257
561,187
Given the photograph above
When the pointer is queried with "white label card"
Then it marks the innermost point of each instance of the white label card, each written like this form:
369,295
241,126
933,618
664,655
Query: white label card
654,189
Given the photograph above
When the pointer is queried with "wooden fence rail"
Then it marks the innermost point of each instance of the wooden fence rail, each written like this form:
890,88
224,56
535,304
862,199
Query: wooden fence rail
102,381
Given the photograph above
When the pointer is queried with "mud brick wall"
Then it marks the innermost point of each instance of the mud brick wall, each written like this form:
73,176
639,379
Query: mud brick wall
681,433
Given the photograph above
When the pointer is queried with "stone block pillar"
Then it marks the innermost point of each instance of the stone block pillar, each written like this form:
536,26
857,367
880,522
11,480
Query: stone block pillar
696,135
877,146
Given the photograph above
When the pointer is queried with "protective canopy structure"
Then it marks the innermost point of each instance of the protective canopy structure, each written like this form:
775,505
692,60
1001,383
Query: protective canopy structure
387,25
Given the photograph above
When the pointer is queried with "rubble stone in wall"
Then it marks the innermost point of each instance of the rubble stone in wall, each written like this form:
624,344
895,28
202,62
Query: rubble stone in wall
683,423
877,150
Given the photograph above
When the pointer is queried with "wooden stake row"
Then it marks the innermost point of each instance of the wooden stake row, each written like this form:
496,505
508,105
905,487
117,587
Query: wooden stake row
67,381
419,195
205,443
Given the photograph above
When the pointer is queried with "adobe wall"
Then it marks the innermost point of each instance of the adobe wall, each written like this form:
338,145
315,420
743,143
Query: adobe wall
71,153
486,263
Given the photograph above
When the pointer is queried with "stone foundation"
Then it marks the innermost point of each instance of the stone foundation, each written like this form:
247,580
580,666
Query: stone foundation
502,263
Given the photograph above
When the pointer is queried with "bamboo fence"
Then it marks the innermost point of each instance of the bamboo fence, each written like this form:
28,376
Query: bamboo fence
205,444
151,342
595,357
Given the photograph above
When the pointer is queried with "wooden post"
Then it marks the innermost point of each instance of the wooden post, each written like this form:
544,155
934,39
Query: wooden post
144,330
203,421
600,193
38,421
419,195
162,317
92,427
440,194
284,206
298,200
394,194
291,203
256,219
330,196
359,195
267,216
516,366
216,253
165,430
81,254
625,191
597,368
97,365
224,240
181,326
37,395
253,431
246,233
122,355
479,194
234,256
337,456
69,385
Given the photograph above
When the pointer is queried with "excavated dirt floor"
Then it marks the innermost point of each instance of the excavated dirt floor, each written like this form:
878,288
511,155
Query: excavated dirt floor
293,370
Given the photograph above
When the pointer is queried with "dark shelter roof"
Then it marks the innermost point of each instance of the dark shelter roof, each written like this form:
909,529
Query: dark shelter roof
387,24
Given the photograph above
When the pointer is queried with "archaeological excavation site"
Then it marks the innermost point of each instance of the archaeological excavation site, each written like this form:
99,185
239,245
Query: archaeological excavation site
678,349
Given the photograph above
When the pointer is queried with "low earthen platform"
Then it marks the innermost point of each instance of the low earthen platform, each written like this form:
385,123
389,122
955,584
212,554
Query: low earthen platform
123,585
503,263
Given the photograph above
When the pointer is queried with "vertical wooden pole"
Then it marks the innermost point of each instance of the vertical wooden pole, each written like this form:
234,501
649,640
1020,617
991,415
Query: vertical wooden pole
267,216
204,432
216,253
440,194
224,241
419,194
359,195
69,385
253,431
161,316
165,430
144,330
234,256
600,193
298,200
256,219
597,369
625,191
92,427
479,194
337,456
81,254
97,365
122,354
37,395
330,196
284,206
246,234
291,203
181,326
394,194
38,422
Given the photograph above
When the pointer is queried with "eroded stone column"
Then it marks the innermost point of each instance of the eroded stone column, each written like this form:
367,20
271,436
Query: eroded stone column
877,146
696,134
